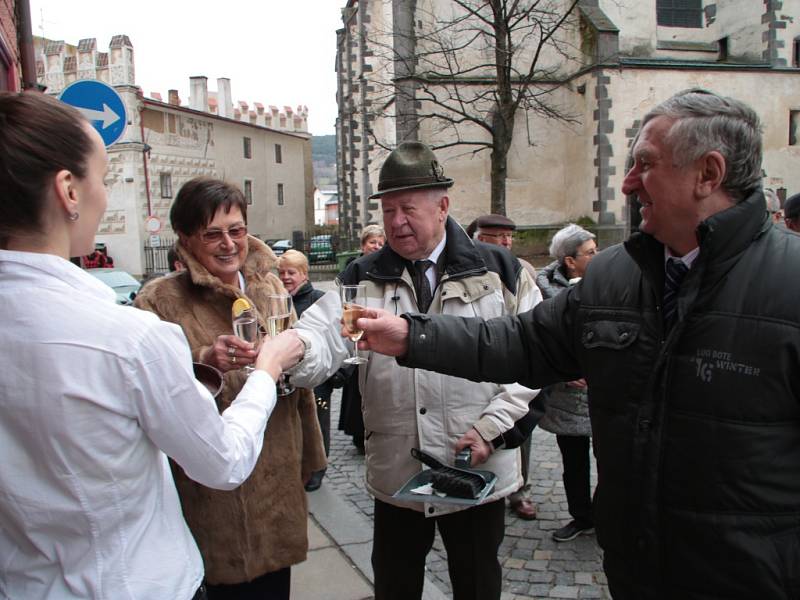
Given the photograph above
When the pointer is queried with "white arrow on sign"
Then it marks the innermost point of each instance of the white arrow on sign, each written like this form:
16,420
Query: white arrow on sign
107,116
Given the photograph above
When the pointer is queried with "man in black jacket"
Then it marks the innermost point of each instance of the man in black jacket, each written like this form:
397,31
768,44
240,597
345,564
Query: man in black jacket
689,338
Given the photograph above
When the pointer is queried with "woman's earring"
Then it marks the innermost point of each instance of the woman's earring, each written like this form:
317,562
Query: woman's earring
73,216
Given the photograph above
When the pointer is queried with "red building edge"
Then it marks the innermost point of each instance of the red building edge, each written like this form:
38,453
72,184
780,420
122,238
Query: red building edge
17,59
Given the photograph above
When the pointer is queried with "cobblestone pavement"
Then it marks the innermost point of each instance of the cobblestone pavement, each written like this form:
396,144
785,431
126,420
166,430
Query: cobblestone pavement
534,566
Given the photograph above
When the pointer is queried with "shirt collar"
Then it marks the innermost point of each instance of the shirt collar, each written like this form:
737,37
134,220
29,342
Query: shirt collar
687,259
434,256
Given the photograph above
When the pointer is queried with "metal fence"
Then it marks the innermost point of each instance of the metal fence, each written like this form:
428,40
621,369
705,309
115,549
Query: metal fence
155,256
323,262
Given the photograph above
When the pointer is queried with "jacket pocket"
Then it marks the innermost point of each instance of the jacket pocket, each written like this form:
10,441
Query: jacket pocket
614,335
787,547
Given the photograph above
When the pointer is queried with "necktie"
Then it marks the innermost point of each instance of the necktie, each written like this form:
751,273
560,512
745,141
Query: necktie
424,294
675,271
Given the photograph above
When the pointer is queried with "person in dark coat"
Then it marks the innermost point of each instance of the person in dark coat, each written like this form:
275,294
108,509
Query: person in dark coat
688,336
567,404
499,231
293,273
791,213
351,417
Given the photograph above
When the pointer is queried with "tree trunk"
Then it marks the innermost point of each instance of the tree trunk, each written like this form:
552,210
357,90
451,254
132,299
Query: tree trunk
502,131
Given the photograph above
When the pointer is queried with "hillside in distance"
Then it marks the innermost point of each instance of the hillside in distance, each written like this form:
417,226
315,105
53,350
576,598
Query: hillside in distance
323,157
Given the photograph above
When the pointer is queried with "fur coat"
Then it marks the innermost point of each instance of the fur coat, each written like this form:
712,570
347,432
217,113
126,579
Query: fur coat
261,526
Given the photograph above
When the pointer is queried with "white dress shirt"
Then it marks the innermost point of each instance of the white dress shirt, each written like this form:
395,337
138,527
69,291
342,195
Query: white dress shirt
92,396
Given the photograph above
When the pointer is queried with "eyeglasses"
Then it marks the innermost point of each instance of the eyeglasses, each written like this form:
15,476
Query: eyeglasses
591,252
212,236
495,236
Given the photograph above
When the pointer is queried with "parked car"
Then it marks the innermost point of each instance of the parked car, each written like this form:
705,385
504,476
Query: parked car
321,249
123,283
282,246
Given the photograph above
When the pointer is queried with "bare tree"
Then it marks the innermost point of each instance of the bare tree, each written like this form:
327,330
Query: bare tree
466,70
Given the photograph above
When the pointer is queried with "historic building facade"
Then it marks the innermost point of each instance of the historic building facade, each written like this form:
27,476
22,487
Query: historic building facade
266,151
9,47
624,57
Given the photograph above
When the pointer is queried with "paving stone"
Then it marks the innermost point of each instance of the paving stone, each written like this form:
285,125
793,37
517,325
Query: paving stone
534,565
584,578
541,577
564,591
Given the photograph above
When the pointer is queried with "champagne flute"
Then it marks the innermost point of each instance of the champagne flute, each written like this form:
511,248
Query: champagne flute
354,301
245,325
279,312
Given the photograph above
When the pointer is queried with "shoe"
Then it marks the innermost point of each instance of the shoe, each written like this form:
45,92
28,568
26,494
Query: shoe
572,530
524,508
315,482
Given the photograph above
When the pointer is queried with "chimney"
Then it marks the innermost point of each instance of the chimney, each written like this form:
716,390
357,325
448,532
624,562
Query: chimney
224,98
173,98
198,93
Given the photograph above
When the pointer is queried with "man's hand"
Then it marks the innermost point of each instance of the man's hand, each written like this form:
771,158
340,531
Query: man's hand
280,353
383,332
481,449
578,383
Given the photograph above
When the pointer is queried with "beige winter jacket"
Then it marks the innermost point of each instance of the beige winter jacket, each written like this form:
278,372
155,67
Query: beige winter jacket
405,408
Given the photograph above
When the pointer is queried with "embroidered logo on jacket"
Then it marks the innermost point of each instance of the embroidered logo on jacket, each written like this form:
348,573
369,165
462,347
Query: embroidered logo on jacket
708,361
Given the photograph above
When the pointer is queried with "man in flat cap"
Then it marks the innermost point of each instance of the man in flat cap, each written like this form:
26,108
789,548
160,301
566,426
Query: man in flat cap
499,230
791,213
430,266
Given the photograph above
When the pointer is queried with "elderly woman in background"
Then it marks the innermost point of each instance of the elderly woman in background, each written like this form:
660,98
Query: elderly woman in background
92,394
293,273
250,537
351,418
567,412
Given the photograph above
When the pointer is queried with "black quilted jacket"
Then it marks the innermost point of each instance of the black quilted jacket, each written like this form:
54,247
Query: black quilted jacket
696,432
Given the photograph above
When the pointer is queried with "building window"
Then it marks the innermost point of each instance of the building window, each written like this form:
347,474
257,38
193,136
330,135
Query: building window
166,184
796,52
248,191
794,127
248,148
679,13
278,156
280,194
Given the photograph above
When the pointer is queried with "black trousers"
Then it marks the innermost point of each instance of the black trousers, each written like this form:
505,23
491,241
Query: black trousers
577,470
525,450
472,538
270,586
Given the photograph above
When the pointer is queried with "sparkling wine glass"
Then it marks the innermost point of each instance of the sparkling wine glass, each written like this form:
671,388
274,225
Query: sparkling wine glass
354,301
279,313
245,325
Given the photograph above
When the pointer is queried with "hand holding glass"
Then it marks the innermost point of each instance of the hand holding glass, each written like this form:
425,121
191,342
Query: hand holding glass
245,327
354,300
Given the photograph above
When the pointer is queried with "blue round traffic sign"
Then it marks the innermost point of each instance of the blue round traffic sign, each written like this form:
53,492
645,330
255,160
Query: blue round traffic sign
100,104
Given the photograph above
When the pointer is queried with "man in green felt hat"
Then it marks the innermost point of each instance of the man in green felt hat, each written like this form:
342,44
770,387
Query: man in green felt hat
429,265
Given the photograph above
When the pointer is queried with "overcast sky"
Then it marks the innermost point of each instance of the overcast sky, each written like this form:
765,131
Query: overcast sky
274,52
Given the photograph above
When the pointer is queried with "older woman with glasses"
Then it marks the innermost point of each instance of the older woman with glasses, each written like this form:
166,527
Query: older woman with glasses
567,404
249,538
93,394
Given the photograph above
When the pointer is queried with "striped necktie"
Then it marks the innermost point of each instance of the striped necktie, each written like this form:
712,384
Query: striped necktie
424,294
674,272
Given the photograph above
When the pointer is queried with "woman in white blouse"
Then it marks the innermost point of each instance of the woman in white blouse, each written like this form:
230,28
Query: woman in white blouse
94,395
